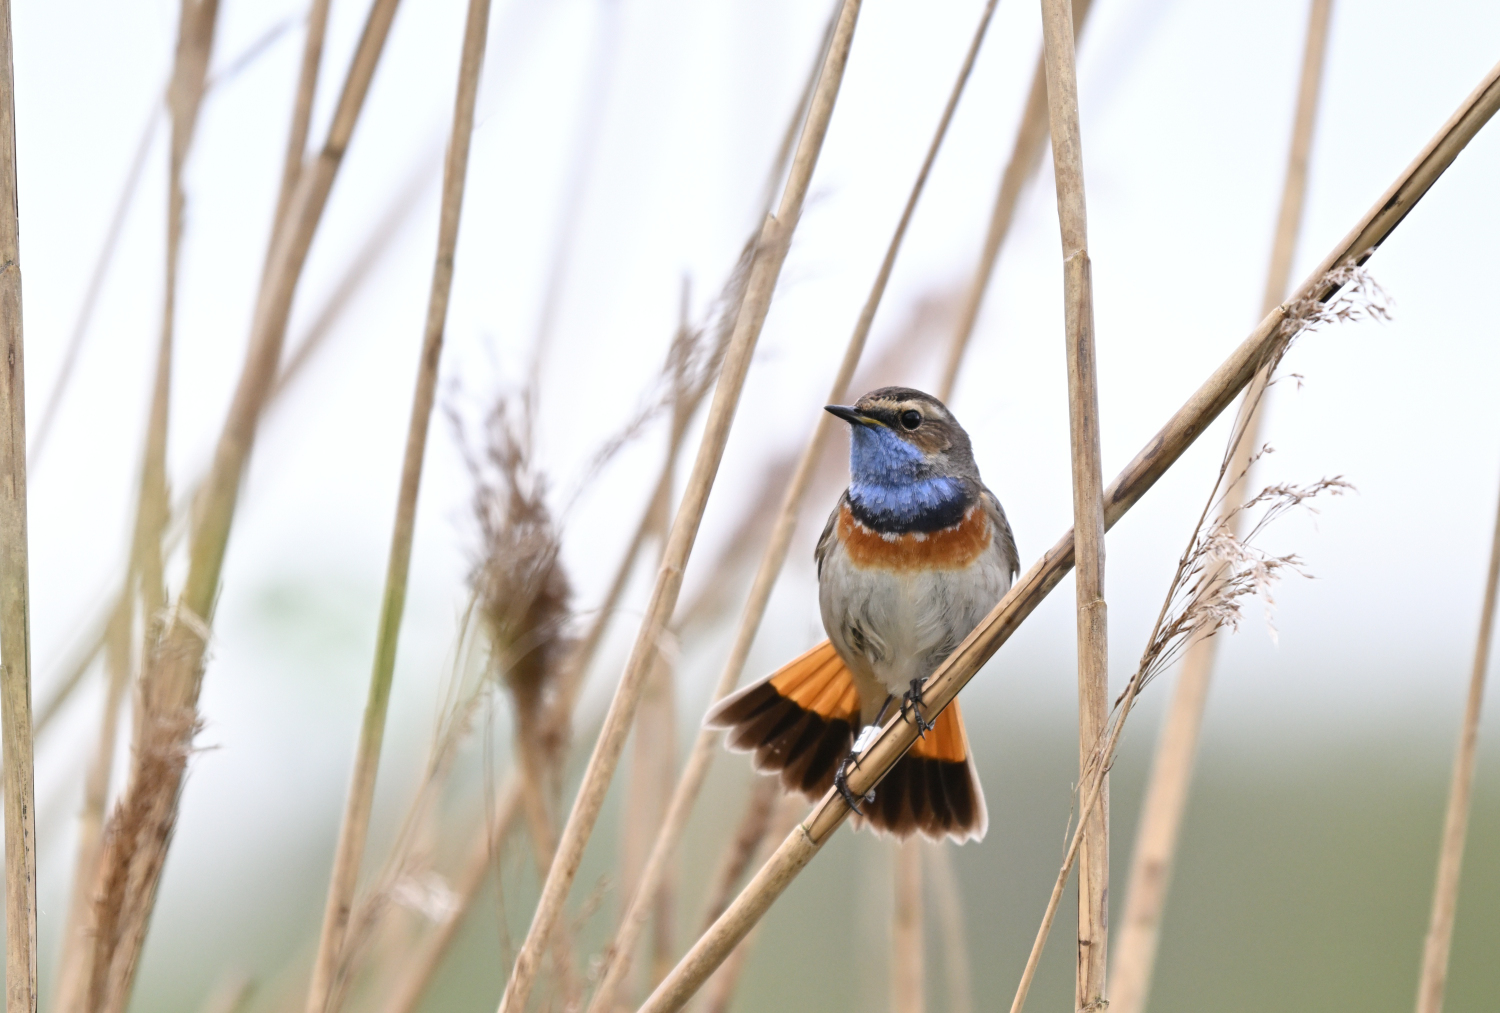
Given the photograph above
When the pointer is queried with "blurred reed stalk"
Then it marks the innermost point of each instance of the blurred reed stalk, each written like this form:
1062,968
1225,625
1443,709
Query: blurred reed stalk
1088,487
1025,158
416,973
1439,940
705,745
1159,454
356,823
197,20
776,236
949,905
908,941
15,595
296,141
1171,774
140,830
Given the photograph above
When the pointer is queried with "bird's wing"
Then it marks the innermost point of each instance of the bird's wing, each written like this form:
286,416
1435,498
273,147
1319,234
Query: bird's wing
825,540
1004,539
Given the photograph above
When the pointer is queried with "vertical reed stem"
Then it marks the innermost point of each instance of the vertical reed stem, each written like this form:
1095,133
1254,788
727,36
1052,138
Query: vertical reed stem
908,970
1088,487
15,581
356,823
1172,767
1460,797
307,88
771,253
1025,156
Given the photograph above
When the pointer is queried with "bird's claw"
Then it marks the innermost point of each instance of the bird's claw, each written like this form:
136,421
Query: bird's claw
841,782
913,698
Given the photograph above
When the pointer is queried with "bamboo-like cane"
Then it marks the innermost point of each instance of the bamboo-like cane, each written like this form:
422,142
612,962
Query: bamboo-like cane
1172,767
15,597
771,253
1025,157
356,824
143,823
1088,488
949,905
700,758
195,35
1164,449
908,942
1439,940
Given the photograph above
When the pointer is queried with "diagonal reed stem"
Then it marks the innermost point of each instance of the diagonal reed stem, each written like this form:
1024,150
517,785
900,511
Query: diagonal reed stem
1164,449
1025,157
700,758
1172,767
1088,487
141,829
1460,798
770,254
356,823
307,89
15,597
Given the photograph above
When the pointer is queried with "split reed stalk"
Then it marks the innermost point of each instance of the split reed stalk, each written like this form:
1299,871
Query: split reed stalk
1025,157
776,236
355,828
1171,774
1439,940
197,22
1088,487
700,758
15,582
1164,449
949,904
141,828
417,973
908,942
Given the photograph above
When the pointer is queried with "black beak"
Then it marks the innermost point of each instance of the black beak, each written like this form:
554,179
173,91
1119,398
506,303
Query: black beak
849,415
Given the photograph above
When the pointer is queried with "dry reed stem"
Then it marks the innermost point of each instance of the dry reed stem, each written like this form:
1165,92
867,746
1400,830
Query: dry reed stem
1460,798
746,843
1025,157
1164,449
307,89
908,943
1171,774
356,823
141,829
1088,488
196,25
15,598
417,973
949,904
700,758
771,252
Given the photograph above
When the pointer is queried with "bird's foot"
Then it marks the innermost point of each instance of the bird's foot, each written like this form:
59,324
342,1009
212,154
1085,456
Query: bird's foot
851,759
913,698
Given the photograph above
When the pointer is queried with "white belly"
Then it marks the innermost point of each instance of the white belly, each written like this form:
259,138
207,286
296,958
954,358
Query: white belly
893,626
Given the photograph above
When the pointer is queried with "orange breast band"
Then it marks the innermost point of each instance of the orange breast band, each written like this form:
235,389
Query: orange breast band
953,548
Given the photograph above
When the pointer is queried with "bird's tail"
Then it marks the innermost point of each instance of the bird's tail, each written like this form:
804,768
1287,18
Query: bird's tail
800,722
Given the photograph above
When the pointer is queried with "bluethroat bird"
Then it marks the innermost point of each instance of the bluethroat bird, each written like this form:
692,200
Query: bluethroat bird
915,554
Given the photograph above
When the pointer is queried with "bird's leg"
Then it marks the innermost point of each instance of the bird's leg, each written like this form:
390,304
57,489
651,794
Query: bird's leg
841,776
913,699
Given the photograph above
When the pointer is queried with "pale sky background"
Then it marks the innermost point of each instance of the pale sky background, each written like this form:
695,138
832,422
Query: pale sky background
1186,117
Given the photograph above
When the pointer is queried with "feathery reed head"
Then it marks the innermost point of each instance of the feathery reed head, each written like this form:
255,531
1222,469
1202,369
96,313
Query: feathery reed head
521,591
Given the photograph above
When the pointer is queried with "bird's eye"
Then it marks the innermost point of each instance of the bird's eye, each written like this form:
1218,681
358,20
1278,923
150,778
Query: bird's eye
911,419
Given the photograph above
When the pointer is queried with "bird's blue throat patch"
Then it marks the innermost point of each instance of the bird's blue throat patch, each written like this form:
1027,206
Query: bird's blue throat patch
892,489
